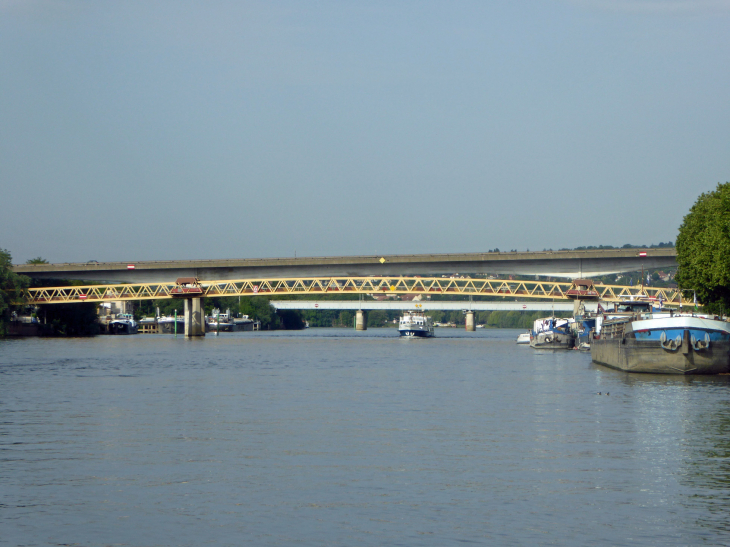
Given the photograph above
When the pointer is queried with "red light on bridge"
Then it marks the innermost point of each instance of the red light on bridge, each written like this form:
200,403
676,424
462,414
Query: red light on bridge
130,266
642,254
82,297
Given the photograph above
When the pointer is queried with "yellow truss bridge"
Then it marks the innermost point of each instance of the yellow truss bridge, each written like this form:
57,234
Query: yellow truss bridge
348,285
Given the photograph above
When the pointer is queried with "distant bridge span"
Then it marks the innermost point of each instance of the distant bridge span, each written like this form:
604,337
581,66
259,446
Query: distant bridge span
427,305
428,286
564,264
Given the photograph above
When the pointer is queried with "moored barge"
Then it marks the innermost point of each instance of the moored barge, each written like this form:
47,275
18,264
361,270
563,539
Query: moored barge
637,339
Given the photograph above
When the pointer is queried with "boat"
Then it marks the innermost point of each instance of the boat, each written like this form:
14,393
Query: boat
415,324
245,323
123,323
166,324
523,338
220,322
583,328
638,338
552,333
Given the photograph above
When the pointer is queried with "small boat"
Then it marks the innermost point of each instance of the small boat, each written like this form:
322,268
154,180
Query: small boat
415,324
523,338
638,338
123,323
552,333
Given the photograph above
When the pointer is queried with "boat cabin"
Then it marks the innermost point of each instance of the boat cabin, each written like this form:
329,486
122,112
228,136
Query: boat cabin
186,287
634,307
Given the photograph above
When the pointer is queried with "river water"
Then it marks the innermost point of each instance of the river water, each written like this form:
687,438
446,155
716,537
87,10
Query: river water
332,437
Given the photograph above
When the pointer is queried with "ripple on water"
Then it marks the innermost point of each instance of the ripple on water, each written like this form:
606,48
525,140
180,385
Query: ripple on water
329,436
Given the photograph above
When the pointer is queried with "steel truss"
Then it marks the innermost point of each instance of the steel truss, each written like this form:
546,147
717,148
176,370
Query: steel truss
347,285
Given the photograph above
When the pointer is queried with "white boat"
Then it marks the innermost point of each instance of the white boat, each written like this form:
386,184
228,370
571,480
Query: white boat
123,323
523,338
414,324
552,333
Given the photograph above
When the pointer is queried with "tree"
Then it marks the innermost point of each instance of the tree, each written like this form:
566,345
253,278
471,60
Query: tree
36,260
703,249
258,308
12,286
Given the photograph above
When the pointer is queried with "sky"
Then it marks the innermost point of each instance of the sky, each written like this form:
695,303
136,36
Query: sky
159,130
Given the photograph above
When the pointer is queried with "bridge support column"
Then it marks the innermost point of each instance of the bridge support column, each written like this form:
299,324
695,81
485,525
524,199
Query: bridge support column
361,320
194,319
470,324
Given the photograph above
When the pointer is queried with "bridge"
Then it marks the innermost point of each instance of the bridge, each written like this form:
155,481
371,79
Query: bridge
562,264
426,305
429,286
460,287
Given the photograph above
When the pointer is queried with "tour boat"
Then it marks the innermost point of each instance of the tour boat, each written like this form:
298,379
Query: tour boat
523,338
637,338
552,333
415,324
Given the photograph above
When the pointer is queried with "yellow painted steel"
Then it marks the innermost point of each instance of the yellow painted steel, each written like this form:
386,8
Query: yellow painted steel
348,285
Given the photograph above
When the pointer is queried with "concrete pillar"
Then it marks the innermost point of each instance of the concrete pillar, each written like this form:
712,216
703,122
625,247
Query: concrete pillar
361,320
579,308
194,319
470,325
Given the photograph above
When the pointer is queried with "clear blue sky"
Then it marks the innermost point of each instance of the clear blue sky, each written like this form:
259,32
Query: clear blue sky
163,130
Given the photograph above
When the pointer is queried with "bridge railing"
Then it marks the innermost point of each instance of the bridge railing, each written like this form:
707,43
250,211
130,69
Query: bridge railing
348,285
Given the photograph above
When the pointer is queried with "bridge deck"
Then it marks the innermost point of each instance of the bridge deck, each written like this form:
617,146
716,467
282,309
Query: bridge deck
348,285
569,264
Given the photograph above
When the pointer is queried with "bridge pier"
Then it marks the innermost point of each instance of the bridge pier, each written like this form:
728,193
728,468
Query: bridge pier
470,324
361,320
194,318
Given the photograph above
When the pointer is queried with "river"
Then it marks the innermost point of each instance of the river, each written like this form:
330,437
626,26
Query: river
334,437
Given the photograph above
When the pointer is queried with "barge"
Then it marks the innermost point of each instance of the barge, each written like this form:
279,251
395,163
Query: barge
637,338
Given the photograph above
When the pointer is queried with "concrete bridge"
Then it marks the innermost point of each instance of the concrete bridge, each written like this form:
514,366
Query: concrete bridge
564,264
425,305
361,307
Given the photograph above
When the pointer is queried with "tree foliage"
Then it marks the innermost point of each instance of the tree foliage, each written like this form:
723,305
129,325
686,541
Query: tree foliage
69,319
703,249
11,288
